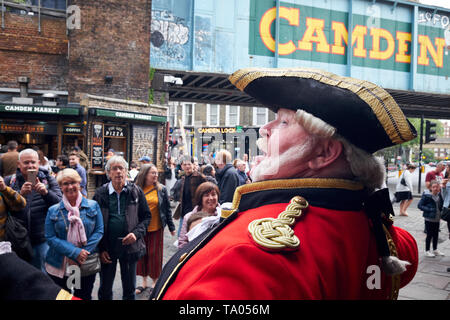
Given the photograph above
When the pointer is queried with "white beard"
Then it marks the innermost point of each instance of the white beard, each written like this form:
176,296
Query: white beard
269,167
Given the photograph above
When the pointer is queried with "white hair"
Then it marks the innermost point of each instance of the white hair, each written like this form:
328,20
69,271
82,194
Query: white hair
28,151
367,169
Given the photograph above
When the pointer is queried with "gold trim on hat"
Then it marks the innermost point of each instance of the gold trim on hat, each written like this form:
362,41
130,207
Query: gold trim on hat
380,101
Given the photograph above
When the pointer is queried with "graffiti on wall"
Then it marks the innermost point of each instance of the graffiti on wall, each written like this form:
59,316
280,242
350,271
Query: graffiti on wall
169,36
144,142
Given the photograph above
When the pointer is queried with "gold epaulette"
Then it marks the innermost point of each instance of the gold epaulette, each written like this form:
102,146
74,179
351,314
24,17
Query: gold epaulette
276,234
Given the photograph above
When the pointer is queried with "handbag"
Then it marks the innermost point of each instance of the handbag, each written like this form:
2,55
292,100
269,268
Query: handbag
445,214
91,265
403,182
177,213
17,234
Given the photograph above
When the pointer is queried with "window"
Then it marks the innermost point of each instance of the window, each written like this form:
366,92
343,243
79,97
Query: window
212,115
173,108
51,4
188,114
260,116
232,116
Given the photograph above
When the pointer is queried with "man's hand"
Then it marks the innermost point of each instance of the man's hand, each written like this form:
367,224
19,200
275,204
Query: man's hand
105,258
129,239
27,187
40,187
82,256
2,184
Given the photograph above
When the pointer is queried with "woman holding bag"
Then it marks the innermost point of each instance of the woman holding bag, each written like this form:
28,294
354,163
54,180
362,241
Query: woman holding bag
73,229
403,189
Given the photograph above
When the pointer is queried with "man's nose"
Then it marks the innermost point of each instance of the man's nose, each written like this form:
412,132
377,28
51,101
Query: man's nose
264,131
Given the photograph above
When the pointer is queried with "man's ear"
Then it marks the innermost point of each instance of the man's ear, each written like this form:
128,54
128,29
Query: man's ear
326,153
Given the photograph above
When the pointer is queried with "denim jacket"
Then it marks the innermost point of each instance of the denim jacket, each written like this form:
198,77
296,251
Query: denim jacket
429,208
56,232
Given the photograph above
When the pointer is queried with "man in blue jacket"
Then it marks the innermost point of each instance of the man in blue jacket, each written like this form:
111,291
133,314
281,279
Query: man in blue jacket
40,194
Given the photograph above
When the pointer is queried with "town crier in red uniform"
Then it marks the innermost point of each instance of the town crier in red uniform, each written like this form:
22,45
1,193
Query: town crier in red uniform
317,222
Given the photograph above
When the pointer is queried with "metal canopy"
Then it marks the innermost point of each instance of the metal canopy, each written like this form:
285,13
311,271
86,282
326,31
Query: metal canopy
215,88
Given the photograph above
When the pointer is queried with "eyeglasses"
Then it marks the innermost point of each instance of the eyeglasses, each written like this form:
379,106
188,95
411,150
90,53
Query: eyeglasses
117,168
69,183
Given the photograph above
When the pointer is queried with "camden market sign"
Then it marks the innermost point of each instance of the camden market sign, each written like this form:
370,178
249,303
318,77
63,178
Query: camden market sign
39,109
129,115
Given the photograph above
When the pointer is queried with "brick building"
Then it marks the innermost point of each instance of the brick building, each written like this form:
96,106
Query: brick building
62,72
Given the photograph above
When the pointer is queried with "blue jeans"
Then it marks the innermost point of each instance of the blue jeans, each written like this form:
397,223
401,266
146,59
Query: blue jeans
128,275
39,254
179,227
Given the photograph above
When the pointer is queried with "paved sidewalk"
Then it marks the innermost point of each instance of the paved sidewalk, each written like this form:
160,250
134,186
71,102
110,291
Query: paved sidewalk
432,281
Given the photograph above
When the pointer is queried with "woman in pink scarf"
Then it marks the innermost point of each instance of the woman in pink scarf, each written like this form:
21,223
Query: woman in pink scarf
73,229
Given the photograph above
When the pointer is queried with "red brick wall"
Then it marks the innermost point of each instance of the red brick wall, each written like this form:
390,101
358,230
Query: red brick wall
114,40
26,52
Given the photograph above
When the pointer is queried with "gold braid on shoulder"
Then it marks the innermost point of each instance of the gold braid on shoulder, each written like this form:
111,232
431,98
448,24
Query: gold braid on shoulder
276,234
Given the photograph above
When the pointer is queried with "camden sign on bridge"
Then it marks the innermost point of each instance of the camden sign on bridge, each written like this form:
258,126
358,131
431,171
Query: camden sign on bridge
311,33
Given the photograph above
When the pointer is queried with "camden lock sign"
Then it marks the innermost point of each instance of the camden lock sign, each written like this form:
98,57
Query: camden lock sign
311,33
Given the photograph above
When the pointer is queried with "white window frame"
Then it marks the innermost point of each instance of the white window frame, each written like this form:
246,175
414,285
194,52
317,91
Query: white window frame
208,115
255,117
183,118
173,106
227,116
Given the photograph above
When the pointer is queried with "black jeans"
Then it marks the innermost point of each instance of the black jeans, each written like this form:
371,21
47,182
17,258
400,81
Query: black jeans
432,229
86,286
128,275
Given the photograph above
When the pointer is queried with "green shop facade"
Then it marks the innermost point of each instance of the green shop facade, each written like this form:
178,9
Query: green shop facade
97,124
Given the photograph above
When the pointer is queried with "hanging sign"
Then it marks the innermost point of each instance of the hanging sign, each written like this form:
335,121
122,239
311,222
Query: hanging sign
97,146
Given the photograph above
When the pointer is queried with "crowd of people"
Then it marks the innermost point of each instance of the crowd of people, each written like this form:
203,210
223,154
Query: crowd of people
125,220
313,221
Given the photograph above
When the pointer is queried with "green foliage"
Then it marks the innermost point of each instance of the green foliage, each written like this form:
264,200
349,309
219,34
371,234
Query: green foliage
150,96
152,73
429,156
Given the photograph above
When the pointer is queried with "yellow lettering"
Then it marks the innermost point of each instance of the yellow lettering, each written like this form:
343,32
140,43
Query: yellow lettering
403,38
358,34
290,14
437,54
377,34
314,33
340,35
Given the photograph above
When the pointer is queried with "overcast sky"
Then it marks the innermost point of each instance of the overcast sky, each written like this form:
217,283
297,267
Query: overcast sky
438,3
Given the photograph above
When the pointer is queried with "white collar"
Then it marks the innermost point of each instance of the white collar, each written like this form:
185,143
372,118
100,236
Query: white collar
111,188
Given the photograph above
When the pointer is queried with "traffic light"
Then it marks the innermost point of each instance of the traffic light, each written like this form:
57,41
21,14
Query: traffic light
430,131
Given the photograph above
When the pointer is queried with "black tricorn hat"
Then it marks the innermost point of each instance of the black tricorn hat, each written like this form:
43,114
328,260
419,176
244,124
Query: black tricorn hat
362,112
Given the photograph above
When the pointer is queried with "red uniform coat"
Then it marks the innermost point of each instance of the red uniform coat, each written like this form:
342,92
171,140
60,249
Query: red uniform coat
333,260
